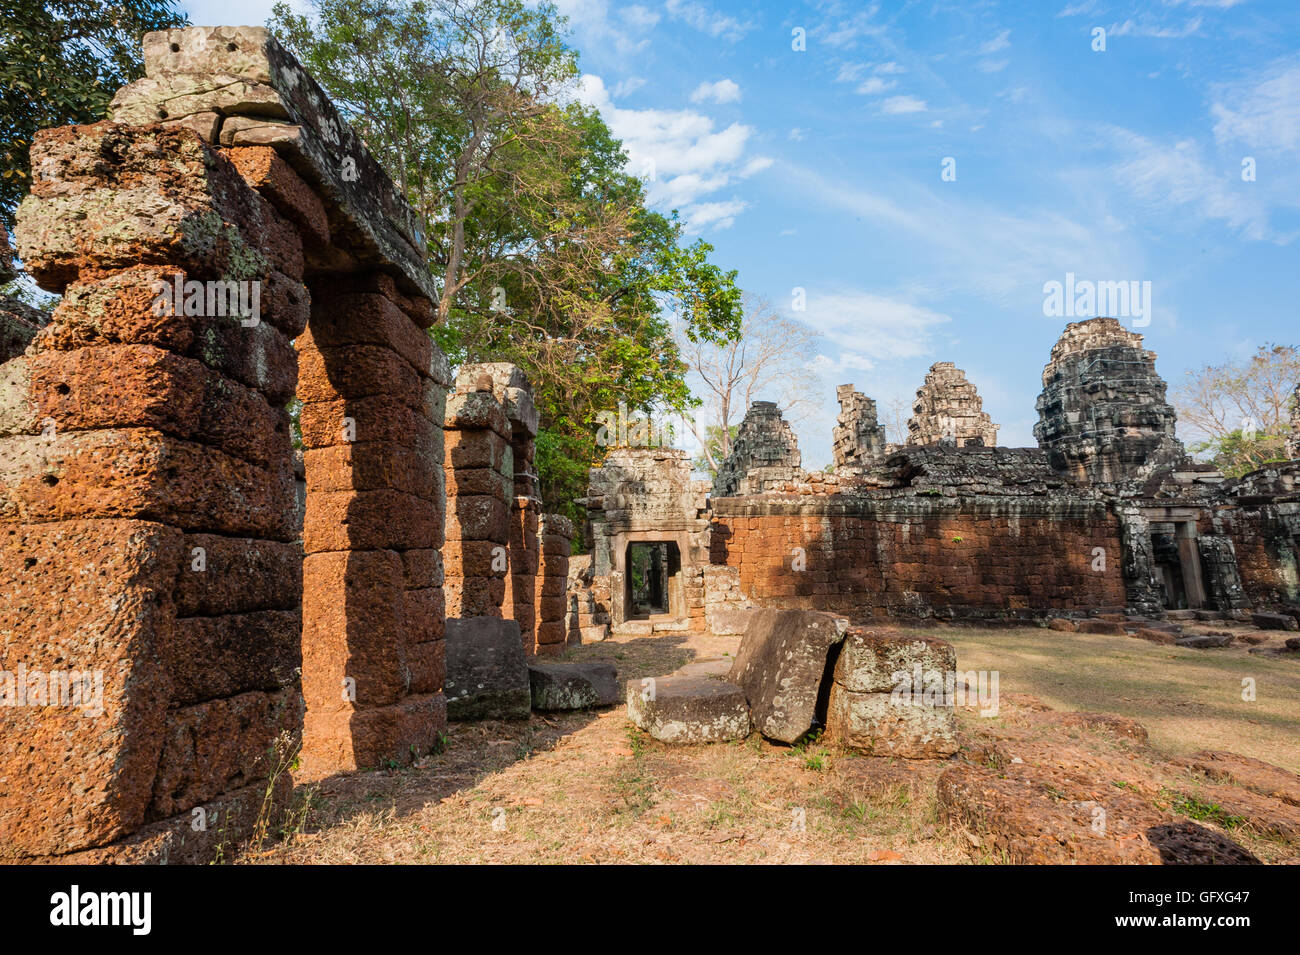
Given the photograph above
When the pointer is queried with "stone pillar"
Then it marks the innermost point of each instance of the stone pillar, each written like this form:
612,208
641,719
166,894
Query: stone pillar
149,519
553,583
512,389
373,387
147,537
479,470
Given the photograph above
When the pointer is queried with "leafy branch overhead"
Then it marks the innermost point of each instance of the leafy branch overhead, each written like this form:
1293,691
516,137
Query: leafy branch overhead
543,248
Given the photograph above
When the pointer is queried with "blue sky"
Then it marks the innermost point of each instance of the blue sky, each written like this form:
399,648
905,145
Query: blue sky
820,169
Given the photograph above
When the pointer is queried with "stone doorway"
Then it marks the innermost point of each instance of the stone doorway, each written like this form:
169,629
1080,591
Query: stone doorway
1178,564
653,580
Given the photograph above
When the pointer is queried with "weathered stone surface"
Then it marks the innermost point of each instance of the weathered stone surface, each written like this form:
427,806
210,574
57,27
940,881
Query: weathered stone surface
1253,774
94,597
353,640
487,676
374,737
368,215
871,662
882,725
103,198
1204,641
212,657
511,388
140,473
275,179
948,410
1102,415
780,665
573,686
1274,621
362,520
19,323
215,747
140,386
221,574
858,439
118,309
688,709
764,440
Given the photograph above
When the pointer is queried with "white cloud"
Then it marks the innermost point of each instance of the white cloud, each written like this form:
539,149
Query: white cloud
592,19
897,105
1264,115
707,20
999,42
992,66
627,87
639,17
1134,28
870,327
979,247
875,85
1175,178
682,154
723,91
795,135
715,215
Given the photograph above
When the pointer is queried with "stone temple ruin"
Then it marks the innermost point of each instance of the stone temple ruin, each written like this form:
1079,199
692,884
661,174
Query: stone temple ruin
193,591
1107,514
197,590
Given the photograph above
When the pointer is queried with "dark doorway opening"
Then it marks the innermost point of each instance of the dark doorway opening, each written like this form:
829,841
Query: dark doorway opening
653,575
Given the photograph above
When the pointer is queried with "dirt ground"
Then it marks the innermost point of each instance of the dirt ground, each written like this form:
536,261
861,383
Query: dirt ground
589,787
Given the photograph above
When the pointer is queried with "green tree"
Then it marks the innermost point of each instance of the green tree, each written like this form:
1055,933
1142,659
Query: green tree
540,243
61,61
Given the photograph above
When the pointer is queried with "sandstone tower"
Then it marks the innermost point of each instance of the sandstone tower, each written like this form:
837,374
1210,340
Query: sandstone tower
948,408
764,440
1102,414
858,438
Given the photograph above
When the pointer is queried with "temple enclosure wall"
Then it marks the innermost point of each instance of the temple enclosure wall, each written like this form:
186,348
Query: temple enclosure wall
918,557
201,593
1108,513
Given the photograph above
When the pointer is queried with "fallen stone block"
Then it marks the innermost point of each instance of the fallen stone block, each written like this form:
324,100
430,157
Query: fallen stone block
882,724
1063,624
487,675
781,664
1205,641
572,686
1274,621
688,709
876,663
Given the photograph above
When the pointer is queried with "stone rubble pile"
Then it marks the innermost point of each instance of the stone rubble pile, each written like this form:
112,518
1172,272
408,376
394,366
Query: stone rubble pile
796,670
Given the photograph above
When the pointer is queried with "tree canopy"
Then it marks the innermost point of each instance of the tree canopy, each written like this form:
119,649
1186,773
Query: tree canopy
1241,408
541,244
